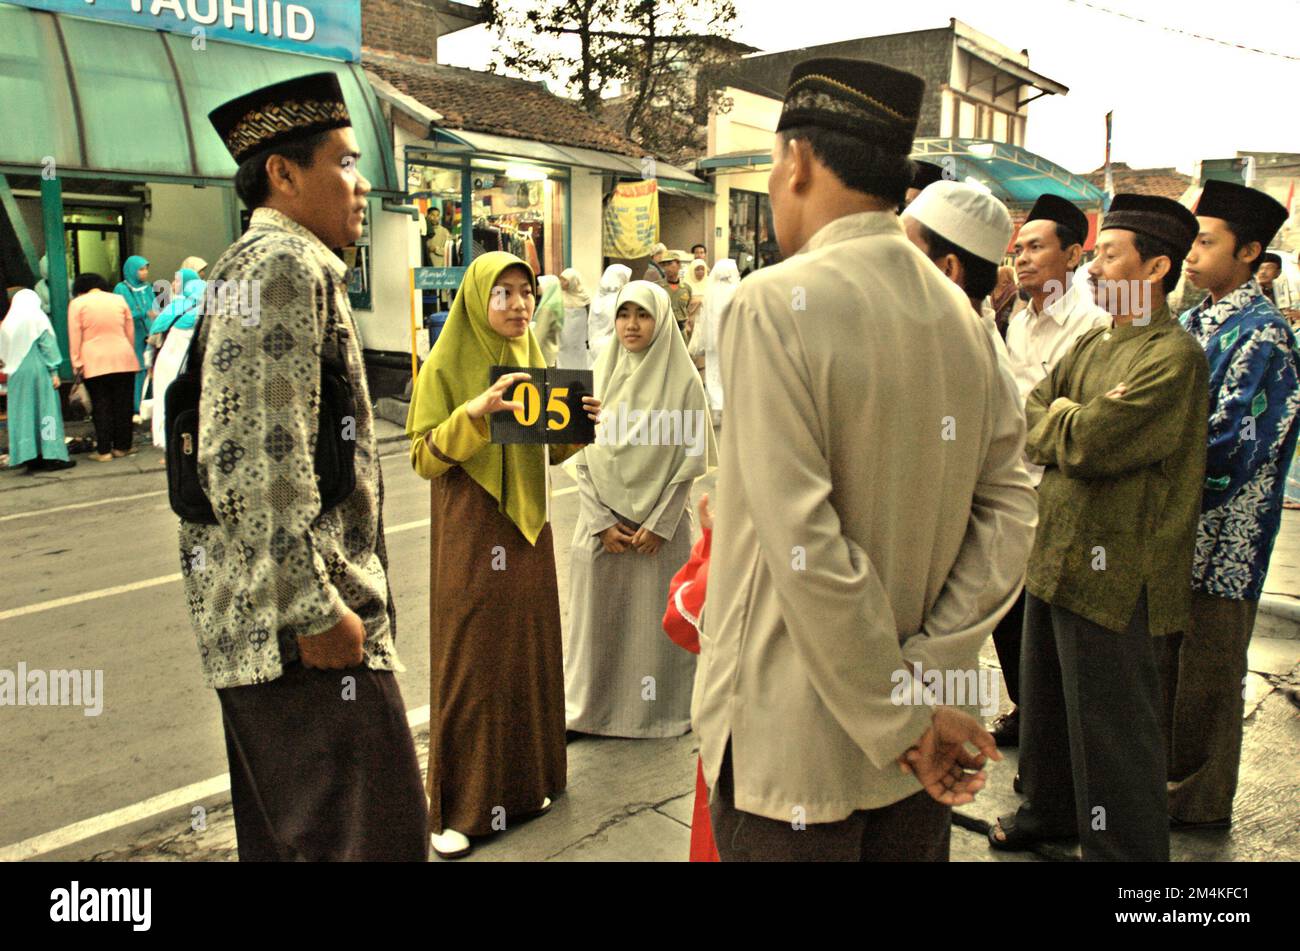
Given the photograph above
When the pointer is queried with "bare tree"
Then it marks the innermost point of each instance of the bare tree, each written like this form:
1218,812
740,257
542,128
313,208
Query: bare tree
660,51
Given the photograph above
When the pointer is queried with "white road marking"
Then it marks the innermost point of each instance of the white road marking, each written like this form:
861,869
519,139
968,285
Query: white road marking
139,585
108,821
88,596
82,505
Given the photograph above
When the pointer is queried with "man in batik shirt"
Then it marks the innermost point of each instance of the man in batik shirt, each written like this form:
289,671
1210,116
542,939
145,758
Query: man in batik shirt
1254,392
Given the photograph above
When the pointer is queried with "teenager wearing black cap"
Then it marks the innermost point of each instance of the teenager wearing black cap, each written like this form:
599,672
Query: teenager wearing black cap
1119,425
874,516
927,173
1048,248
1254,395
291,604
1270,269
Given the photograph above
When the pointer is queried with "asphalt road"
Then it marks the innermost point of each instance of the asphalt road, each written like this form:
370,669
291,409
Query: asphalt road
160,726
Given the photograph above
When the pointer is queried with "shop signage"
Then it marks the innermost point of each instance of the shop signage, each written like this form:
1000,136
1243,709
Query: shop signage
328,28
438,278
632,220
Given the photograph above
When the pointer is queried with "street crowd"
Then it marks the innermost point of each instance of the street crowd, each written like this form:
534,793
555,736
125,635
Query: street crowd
920,449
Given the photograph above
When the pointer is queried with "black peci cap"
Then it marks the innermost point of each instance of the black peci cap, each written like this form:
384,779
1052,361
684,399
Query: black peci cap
1063,212
927,173
279,113
872,102
1258,216
1156,217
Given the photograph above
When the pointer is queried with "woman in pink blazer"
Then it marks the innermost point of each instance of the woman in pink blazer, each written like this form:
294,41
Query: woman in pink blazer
101,338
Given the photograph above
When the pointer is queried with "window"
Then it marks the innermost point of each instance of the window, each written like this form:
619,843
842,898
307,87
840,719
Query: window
753,237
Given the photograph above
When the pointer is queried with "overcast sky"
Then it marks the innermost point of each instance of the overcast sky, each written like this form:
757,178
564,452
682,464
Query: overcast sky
1176,98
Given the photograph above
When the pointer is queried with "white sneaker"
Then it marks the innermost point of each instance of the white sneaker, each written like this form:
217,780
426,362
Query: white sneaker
450,844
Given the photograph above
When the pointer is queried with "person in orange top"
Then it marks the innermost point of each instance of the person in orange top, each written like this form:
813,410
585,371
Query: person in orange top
682,624
101,340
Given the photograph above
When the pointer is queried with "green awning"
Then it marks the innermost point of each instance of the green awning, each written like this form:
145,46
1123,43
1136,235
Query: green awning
120,101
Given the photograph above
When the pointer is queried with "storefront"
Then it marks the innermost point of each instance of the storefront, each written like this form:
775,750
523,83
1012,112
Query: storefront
102,157
539,197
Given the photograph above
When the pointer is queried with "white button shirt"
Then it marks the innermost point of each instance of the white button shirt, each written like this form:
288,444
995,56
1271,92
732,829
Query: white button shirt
1036,340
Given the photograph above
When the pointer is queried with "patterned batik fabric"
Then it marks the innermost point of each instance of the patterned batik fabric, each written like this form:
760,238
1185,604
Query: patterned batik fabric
274,567
1254,395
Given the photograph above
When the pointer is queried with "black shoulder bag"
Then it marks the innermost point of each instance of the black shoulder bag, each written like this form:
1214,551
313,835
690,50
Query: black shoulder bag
335,459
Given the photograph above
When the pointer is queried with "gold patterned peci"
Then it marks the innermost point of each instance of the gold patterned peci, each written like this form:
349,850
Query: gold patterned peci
849,90
276,118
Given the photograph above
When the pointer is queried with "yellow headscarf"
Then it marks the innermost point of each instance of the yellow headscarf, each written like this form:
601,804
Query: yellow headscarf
457,371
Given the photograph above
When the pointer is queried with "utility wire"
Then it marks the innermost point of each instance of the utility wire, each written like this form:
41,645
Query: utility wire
1174,29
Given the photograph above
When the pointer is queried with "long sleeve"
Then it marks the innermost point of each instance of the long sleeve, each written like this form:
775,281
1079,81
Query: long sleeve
128,324
987,574
257,465
1263,383
666,516
593,513
1107,436
455,440
49,350
836,610
74,336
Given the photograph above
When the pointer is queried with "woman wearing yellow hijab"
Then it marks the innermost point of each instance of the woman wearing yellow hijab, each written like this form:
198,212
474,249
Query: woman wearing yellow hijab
496,720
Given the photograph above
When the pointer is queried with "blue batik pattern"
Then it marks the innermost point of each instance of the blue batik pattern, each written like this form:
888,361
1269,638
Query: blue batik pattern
1254,398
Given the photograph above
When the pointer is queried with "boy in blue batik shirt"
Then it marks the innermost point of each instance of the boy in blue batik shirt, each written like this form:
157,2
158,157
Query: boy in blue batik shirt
1254,394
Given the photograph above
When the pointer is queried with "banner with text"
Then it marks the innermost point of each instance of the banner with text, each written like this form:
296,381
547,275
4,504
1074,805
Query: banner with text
632,220
328,28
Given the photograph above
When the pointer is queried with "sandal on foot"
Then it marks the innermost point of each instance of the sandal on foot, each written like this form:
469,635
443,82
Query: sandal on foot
1016,839
450,844
1006,729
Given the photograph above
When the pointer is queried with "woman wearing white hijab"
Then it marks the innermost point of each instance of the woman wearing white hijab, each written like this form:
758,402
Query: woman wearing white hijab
622,676
696,276
30,356
600,318
573,339
723,281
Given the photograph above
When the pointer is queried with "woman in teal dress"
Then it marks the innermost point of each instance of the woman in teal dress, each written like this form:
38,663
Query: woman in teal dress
135,288
31,358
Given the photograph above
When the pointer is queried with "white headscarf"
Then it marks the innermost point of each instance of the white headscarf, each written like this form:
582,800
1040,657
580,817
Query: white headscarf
723,281
600,318
699,285
575,295
195,264
630,479
22,327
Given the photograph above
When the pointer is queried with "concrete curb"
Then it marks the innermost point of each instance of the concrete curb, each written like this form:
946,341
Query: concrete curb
144,463
1279,616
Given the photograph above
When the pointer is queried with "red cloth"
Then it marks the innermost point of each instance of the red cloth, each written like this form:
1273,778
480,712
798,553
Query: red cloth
690,582
685,604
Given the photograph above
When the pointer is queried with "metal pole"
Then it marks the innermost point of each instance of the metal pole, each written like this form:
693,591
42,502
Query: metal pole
57,263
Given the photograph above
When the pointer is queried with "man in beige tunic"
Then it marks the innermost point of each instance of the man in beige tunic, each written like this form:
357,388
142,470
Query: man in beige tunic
874,515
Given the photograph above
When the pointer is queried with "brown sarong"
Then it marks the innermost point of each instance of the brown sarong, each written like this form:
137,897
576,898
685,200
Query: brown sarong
496,720
318,777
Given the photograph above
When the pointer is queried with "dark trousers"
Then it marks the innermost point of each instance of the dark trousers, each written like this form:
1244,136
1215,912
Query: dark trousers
318,777
1006,639
1092,759
112,404
1203,673
915,829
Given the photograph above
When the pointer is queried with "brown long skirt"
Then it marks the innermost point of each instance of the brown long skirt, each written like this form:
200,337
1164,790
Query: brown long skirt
496,723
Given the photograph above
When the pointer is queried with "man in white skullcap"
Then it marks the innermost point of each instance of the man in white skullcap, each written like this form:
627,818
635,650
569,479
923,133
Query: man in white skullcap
965,231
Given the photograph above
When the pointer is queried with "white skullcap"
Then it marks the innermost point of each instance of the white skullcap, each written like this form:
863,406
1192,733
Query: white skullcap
971,218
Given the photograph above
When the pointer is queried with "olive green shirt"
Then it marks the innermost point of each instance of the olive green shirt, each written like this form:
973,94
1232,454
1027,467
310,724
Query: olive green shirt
1121,496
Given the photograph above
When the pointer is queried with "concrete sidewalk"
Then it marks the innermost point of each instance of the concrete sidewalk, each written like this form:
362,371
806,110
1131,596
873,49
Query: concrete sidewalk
148,461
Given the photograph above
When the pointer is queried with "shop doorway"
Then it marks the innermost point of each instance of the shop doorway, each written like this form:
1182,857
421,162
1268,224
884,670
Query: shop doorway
95,239
753,237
